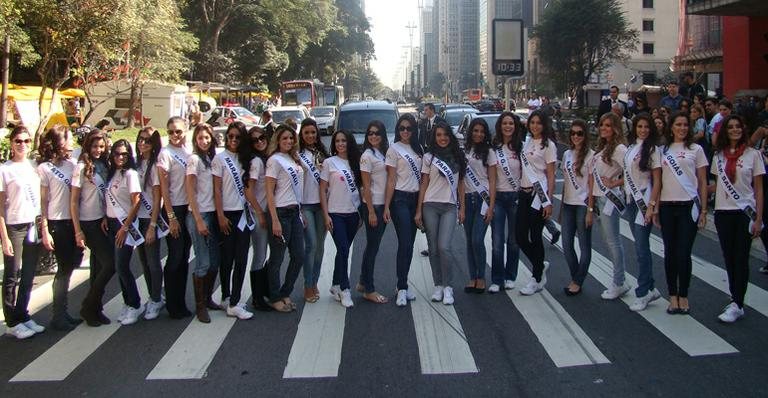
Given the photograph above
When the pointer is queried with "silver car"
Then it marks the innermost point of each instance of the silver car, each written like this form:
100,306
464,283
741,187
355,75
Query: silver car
325,116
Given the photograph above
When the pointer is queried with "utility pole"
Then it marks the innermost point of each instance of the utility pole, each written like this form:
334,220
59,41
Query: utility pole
411,26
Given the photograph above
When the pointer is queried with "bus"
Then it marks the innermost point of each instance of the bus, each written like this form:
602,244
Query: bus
333,95
307,92
472,94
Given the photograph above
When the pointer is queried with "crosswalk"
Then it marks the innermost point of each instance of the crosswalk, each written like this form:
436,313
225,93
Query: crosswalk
317,339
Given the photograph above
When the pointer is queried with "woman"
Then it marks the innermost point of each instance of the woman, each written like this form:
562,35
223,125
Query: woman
172,171
201,219
642,183
480,197
148,146
58,234
738,218
283,185
507,145
574,208
123,196
312,154
233,215
661,125
257,198
19,208
605,180
373,173
538,157
87,208
685,106
403,161
699,124
441,202
682,206
340,201
664,112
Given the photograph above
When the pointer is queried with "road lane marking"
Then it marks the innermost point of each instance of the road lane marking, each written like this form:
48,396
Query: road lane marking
316,349
443,347
562,338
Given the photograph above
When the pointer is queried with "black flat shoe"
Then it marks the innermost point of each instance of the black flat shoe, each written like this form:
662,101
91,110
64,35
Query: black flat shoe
683,311
673,311
470,289
568,292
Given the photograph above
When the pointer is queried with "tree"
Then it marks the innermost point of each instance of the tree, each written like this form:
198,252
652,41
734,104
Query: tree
579,38
16,42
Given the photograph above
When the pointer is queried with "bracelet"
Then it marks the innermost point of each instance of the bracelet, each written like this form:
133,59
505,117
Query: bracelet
80,233
153,224
171,216
589,209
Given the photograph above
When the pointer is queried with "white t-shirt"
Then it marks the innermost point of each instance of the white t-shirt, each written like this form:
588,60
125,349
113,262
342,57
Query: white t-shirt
176,172
146,191
539,159
311,186
339,199
284,195
91,200
58,188
748,166
689,159
203,184
373,163
642,179
513,164
230,198
121,186
481,172
571,195
438,190
21,184
612,171
257,173
406,180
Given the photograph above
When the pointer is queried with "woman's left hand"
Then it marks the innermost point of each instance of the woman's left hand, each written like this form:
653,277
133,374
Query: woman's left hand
547,212
757,228
150,235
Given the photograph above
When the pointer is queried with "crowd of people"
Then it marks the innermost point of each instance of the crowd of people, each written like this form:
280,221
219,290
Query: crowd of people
283,190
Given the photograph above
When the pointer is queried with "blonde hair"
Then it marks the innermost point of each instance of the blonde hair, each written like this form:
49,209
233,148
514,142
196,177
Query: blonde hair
274,144
608,146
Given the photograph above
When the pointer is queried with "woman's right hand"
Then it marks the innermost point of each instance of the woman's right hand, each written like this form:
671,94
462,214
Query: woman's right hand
417,219
328,223
373,221
387,217
47,240
277,229
588,219
202,228
224,225
175,228
80,239
7,247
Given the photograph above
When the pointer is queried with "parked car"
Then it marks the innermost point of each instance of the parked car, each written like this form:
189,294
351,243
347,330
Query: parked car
325,116
454,116
355,117
225,115
297,113
462,132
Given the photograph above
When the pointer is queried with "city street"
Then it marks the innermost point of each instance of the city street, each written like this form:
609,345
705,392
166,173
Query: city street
485,345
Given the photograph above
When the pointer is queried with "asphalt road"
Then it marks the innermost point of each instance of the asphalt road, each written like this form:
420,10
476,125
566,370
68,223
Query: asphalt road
485,345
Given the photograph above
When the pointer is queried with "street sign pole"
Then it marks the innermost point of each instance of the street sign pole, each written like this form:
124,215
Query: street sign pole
509,48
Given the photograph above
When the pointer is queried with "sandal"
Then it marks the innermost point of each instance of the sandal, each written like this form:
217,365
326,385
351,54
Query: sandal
290,303
470,288
375,297
310,296
280,306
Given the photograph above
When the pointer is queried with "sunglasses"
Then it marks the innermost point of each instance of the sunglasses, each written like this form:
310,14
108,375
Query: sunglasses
259,138
19,141
577,133
233,136
374,132
175,132
404,128
144,140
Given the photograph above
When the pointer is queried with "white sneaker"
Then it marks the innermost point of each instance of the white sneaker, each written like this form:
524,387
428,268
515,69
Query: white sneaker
401,300
132,315
123,313
20,332
239,312
641,303
544,274
614,292
531,288
410,295
153,310
33,326
731,313
494,288
224,304
509,284
336,292
448,295
437,296
346,298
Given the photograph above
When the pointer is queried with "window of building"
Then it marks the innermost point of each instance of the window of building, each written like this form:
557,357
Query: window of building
647,25
647,3
649,78
648,48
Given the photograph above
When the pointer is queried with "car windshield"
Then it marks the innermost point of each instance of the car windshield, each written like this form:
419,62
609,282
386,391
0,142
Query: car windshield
357,121
491,120
243,112
280,116
454,118
321,112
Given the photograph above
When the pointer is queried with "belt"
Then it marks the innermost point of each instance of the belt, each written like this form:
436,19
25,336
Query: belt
677,203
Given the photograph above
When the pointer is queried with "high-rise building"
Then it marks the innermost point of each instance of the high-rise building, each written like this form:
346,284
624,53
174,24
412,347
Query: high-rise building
488,11
429,44
458,44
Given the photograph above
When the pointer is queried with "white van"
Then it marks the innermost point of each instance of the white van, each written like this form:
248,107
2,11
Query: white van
159,101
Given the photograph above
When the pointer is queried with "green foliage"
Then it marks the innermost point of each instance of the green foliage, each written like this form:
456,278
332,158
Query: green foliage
10,22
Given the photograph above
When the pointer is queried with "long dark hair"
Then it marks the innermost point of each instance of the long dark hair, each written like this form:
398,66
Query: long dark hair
546,132
516,143
451,155
649,144
414,137
318,150
244,148
50,145
723,142
384,146
482,148
353,153
85,154
581,155
130,162
670,138
259,154
205,156
154,140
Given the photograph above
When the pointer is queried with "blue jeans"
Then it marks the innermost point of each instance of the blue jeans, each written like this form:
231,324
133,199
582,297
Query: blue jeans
207,255
439,223
504,217
642,234
575,224
149,257
402,210
259,237
123,267
609,225
474,229
234,251
344,230
293,233
314,243
372,241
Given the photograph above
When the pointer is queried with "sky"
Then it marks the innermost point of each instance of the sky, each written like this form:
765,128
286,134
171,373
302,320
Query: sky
389,19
